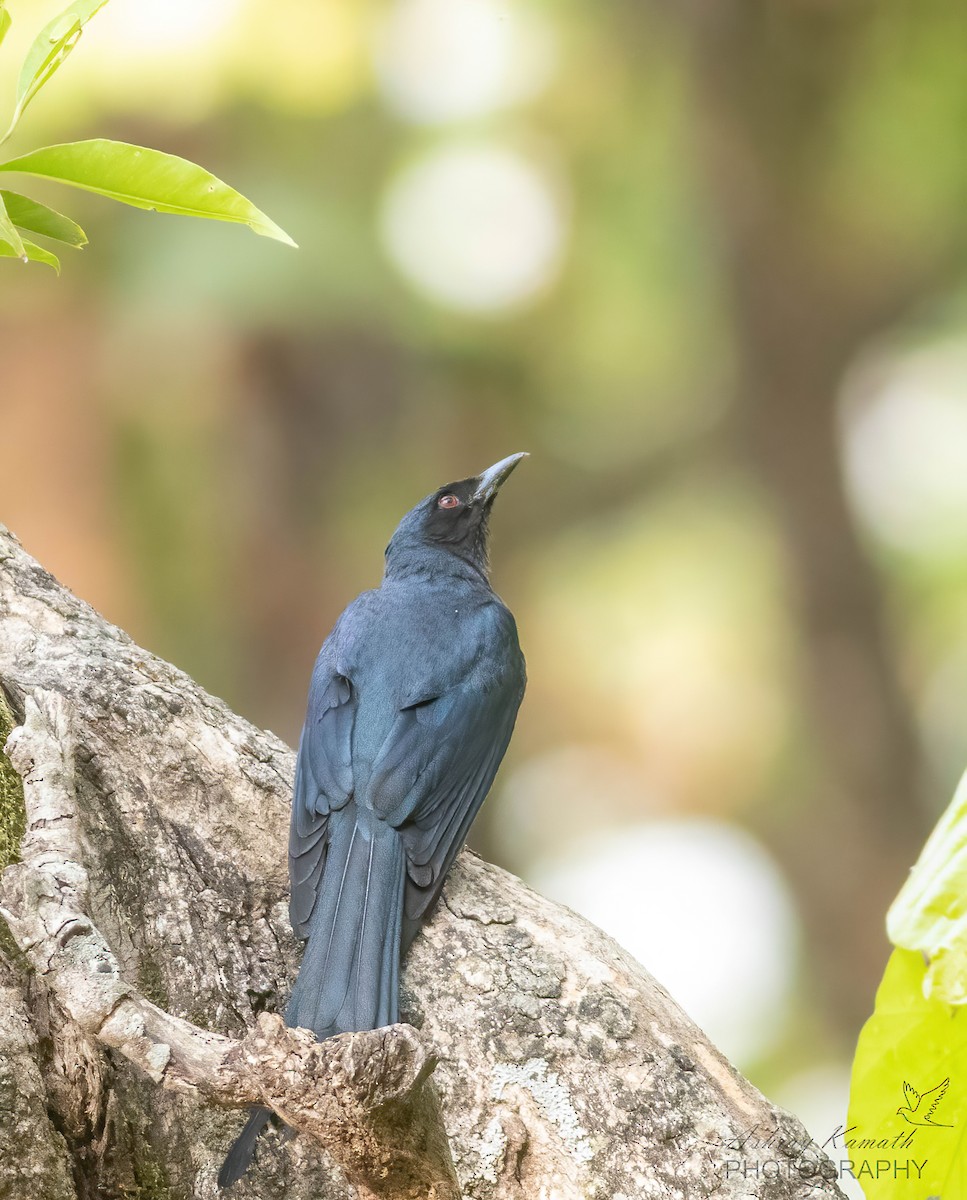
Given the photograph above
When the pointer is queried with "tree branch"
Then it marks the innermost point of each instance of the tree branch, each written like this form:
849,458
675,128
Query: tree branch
363,1096
564,1068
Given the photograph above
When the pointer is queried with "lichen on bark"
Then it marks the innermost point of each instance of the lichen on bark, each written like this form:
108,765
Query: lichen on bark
12,817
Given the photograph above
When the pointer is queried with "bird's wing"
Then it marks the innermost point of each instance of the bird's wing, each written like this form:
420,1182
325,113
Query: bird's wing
938,1094
323,782
912,1096
440,758
460,780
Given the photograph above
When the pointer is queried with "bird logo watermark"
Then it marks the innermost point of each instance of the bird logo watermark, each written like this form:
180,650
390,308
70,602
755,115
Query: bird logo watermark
921,1106
849,1153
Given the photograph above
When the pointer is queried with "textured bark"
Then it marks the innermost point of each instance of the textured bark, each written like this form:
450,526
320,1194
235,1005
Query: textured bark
363,1095
563,1069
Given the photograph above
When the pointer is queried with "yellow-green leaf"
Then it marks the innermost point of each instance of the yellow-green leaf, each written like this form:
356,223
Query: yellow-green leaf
146,179
50,48
8,232
908,1096
34,217
32,253
4,21
930,913
903,1144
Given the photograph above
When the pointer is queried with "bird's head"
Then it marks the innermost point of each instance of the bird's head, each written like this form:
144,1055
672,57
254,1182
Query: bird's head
449,527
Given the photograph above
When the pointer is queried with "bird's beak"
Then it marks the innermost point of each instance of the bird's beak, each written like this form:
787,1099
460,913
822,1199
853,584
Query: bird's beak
491,479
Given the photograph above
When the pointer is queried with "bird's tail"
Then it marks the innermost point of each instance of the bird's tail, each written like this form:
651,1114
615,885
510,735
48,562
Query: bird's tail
239,1156
349,978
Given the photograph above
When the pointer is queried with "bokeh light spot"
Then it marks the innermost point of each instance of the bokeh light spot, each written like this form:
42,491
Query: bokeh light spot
905,440
448,60
702,906
152,28
476,227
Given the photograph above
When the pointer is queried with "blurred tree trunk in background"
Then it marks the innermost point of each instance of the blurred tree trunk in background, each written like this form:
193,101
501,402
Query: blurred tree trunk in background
807,292
308,410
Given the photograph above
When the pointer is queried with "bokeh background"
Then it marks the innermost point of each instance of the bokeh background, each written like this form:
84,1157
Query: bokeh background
705,261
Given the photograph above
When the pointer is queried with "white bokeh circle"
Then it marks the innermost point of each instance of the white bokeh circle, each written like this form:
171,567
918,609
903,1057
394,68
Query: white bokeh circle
164,28
905,448
703,907
449,60
474,226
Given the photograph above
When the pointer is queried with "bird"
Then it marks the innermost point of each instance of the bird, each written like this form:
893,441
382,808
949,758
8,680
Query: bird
914,1099
411,706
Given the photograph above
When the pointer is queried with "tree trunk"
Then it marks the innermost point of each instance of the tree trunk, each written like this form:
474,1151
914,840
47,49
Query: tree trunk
148,936
807,290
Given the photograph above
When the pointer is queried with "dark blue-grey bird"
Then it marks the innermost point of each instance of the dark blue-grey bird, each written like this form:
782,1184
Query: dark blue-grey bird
411,706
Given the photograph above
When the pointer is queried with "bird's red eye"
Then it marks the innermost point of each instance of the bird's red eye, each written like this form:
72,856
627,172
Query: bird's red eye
448,501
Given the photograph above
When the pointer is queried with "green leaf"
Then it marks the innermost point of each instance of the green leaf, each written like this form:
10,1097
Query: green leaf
930,913
4,21
34,217
146,179
915,1044
8,233
33,253
50,48
920,1041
